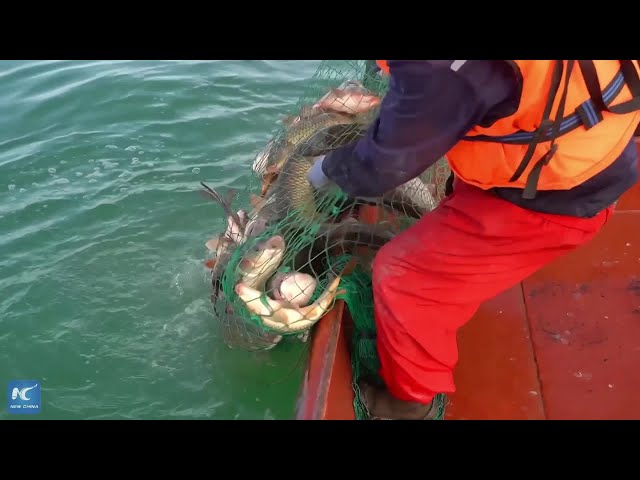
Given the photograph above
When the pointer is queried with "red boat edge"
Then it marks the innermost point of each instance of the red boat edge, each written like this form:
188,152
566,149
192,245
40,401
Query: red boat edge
563,344
326,390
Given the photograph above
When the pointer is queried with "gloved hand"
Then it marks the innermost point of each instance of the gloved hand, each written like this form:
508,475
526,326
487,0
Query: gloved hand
316,176
322,184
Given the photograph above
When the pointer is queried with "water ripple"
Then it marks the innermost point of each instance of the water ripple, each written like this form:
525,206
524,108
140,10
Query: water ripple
104,295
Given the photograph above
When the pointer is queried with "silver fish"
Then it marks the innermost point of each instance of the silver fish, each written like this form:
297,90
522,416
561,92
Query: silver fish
412,198
351,98
255,268
294,287
284,317
236,332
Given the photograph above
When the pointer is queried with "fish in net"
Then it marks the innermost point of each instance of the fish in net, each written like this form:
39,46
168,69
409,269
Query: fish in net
289,252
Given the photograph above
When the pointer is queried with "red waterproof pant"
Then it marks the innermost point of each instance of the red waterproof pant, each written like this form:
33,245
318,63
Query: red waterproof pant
430,280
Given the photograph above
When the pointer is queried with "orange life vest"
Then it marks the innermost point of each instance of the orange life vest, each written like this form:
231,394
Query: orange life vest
383,66
588,111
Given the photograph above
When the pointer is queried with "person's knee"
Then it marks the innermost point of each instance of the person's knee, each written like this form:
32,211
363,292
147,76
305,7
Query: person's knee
386,266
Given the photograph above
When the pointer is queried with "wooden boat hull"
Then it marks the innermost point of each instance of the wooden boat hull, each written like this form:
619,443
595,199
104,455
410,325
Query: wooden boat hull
563,344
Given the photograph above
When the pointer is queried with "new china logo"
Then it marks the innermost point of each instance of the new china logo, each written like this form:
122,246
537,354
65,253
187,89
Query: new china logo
23,396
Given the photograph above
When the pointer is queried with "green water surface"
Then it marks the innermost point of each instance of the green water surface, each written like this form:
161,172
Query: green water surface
103,293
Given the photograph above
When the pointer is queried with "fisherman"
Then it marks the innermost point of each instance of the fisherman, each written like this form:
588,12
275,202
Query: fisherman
520,200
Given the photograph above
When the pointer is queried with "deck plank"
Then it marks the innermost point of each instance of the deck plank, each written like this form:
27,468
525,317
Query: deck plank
576,364
584,311
496,375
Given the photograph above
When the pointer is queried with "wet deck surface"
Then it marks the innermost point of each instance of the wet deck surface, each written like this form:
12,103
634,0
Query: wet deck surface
565,343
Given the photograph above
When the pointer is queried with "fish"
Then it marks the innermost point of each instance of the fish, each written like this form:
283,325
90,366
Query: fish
223,247
240,224
287,311
223,256
283,317
234,234
303,337
261,261
225,203
314,134
263,157
304,130
257,265
353,231
350,98
306,111
332,240
295,287
256,225
259,165
332,138
289,189
412,198
236,332
292,194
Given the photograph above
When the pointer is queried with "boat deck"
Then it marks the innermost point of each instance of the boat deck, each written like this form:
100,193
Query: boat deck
563,344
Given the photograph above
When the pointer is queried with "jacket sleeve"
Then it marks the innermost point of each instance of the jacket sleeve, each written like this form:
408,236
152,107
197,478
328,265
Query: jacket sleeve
428,108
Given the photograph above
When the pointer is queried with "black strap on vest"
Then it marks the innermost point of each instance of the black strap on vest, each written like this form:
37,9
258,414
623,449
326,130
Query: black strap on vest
545,124
533,178
590,115
592,82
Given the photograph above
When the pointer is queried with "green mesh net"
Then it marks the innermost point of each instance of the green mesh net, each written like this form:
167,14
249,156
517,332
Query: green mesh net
357,294
289,252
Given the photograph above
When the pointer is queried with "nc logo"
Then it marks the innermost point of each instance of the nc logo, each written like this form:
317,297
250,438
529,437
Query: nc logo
24,396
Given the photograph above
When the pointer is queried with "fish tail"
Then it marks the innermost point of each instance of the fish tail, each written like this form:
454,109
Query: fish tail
223,202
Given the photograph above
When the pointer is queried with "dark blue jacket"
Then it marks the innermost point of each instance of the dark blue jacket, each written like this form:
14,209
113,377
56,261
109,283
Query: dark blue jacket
428,109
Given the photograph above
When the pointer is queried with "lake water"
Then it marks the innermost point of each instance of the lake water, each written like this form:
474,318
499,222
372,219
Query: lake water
104,298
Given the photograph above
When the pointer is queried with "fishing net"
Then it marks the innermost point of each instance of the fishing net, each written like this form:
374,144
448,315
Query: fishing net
289,252
358,297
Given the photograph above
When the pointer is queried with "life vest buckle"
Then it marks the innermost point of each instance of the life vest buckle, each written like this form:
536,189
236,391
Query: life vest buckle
588,114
